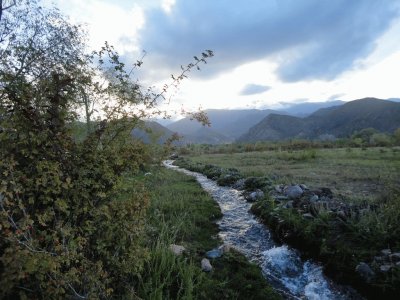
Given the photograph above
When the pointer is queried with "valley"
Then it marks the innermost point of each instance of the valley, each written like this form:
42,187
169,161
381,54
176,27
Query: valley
314,121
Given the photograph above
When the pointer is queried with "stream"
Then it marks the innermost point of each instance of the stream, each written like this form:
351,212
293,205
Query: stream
281,265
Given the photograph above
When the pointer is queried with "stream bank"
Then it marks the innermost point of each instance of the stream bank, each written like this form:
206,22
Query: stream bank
349,240
281,265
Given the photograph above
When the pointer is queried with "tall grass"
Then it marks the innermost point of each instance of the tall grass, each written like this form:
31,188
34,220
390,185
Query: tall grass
302,155
166,275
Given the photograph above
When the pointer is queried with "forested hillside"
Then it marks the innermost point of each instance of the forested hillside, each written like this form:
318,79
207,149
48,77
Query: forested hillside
336,121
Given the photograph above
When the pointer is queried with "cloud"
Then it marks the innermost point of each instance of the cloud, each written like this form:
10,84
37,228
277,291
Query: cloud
309,39
294,101
335,97
253,89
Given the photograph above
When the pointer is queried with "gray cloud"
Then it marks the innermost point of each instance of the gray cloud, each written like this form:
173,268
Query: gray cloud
310,39
294,101
253,89
335,97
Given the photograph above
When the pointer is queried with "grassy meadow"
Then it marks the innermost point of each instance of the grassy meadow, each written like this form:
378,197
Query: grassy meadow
350,172
358,177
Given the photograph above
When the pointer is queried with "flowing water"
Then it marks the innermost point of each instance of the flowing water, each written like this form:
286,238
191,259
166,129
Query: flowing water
281,265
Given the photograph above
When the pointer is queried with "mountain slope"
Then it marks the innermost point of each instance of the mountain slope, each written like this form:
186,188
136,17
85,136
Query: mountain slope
340,121
307,108
152,132
226,125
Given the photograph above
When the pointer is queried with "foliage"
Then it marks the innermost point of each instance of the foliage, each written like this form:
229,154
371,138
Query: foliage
68,229
60,224
397,136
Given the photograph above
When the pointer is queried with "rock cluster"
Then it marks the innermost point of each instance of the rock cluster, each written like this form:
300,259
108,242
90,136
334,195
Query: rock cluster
311,202
213,254
254,196
205,262
386,260
382,263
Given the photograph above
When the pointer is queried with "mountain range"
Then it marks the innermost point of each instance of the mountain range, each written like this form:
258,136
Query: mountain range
226,125
335,121
305,109
151,132
302,120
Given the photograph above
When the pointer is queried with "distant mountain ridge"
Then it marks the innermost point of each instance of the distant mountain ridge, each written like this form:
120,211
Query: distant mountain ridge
339,121
151,132
226,125
305,109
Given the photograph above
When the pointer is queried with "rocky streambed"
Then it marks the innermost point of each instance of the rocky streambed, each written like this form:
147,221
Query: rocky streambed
282,266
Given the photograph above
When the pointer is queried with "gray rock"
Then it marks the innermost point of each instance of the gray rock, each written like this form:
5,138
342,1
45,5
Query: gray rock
385,268
395,257
386,252
225,248
341,214
293,191
254,196
215,253
177,249
303,187
365,271
325,199
308,216
314,198
239,185
206,265
279,189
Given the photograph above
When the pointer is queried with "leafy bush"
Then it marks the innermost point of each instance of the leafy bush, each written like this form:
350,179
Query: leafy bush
253,183
63,232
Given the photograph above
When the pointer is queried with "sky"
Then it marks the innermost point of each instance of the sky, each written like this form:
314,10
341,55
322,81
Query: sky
266,52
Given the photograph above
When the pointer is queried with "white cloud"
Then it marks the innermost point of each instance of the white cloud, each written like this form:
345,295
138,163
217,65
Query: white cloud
167,5
107,22
121,23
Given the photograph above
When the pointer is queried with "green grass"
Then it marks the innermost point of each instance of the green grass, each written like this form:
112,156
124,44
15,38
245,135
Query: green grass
182,213
353,174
